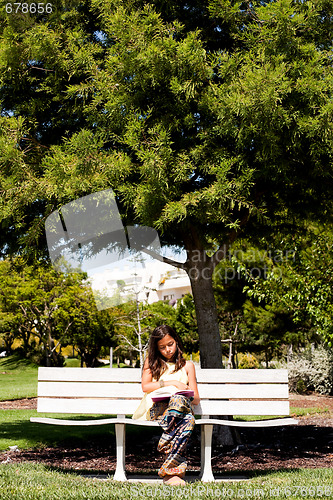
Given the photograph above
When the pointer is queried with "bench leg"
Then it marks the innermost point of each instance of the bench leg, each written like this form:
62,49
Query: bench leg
206,474
120,474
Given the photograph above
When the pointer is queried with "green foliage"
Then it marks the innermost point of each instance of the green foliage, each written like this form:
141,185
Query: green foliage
205,119
258,326
247,360
184,133
301,387
301,284
45,310
186,324
79,323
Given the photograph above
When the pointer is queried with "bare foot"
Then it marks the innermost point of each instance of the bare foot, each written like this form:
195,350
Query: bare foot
174,480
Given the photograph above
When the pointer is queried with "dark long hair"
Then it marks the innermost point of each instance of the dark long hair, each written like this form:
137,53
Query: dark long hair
156,363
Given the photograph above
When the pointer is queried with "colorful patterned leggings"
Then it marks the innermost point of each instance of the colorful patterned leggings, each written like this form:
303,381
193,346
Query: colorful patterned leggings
177,421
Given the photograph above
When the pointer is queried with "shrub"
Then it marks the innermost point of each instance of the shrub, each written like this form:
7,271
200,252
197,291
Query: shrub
312,370
301,388
247,361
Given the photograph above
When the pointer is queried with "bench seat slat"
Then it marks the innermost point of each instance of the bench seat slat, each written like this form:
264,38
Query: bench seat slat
89,390
113,389
88,423
278,422
118,406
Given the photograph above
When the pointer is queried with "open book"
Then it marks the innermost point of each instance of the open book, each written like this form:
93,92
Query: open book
164,393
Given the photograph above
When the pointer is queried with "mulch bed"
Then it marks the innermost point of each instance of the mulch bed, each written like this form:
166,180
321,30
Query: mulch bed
309,445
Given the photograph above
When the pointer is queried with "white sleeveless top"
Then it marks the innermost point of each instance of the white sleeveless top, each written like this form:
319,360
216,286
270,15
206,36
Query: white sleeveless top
142,412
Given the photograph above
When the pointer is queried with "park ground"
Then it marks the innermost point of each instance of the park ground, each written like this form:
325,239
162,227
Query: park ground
309,445
42,462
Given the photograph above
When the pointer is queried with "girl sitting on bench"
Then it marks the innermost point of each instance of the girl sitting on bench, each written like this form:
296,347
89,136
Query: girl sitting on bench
166,367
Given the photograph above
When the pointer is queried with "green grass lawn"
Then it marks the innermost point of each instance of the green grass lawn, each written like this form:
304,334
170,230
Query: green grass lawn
38,482
16,429
18,378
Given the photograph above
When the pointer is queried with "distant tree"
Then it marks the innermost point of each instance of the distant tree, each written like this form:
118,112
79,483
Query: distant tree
79,323
134,322
28,300
186,324
181,317
264,330
7,329
132,335
251,291
303,286
45,310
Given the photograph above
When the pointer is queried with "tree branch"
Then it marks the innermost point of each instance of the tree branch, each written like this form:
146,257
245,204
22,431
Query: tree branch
128,342
166,260
41,69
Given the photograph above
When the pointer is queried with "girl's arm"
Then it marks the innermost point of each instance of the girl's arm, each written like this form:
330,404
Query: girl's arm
148,385
192,381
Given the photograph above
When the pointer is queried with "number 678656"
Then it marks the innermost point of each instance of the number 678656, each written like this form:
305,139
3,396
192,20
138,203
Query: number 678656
29,8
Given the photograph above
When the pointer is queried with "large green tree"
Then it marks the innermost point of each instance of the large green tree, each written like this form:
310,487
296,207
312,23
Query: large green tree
206,118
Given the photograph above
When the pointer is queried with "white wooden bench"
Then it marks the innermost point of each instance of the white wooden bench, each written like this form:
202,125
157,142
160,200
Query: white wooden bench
117,391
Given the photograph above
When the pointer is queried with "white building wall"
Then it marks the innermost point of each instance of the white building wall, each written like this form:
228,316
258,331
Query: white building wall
156,281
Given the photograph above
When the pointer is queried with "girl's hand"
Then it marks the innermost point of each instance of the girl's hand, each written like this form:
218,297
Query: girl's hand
179,385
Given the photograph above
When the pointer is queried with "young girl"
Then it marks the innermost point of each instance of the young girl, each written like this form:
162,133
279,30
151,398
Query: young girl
165,366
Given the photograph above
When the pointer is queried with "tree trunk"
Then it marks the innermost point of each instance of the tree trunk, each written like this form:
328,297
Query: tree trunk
8,342
200,270
90,358
25,336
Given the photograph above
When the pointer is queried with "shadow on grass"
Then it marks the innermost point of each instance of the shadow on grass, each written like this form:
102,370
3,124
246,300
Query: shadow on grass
15,361
37,435
41,435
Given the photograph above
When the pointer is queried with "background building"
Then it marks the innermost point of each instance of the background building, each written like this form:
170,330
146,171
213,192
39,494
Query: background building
151,281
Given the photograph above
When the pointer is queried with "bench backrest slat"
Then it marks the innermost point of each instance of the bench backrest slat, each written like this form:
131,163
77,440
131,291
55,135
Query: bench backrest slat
134,375
89,374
